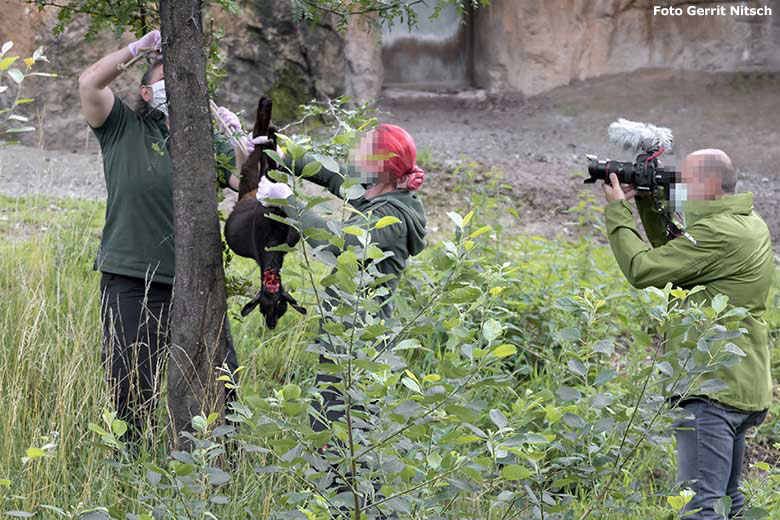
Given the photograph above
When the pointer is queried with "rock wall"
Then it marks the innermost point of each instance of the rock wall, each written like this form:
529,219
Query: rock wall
267,53
526,46
534,45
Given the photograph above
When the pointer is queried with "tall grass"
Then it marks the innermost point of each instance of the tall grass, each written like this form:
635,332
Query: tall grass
52,382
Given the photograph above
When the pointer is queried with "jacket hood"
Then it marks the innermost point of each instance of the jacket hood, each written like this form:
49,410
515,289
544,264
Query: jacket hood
739,204
412,212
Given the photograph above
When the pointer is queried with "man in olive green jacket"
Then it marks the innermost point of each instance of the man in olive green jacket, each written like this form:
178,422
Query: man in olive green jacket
726,249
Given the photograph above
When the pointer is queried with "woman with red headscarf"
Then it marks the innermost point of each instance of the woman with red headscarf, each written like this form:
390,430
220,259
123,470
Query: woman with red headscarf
385,161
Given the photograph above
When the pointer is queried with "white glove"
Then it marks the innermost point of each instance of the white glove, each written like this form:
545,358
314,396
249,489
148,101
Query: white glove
271,190
230,119
250,143
234,125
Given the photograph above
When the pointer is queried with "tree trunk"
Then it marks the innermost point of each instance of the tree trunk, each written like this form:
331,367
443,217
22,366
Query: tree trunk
199,302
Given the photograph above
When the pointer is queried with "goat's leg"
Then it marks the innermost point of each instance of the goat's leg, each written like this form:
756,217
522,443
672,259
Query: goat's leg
253,168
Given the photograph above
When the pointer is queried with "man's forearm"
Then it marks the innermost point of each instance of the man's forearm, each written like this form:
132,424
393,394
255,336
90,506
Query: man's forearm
101,73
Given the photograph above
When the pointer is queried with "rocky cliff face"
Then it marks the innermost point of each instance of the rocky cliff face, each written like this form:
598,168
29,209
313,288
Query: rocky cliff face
526,46
534,45
267,53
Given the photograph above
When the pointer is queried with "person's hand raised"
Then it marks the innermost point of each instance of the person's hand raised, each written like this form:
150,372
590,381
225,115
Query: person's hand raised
150,42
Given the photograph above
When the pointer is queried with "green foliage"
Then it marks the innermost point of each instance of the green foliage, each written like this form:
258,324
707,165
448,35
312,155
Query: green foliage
382,11
532,375
12,75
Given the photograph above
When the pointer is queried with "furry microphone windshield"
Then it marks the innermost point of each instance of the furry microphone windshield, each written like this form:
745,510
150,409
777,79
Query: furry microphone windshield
640,136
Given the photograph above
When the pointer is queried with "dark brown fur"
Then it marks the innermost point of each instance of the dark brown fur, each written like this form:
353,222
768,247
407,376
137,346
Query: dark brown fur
249,231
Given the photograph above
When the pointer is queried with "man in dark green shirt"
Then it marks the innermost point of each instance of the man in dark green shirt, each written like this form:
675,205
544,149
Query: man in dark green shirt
726,249
136,256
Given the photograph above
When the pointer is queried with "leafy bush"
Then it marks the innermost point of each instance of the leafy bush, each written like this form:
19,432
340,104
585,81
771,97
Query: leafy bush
11,81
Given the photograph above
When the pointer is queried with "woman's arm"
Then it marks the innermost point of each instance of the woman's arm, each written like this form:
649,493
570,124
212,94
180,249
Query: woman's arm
326,178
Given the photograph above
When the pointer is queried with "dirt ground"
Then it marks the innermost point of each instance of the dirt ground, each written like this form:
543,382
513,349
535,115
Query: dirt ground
538,143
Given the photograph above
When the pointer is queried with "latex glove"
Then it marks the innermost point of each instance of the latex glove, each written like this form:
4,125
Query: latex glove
230,119
150,40
250,142
271,190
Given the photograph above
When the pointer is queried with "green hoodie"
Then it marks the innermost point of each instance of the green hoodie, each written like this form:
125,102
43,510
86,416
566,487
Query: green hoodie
403,239
730,253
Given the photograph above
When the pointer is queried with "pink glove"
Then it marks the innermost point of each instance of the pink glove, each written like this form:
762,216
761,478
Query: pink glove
150,40
271,190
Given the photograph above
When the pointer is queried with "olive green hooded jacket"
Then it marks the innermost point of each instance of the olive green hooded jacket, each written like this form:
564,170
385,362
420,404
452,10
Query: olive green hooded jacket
729,252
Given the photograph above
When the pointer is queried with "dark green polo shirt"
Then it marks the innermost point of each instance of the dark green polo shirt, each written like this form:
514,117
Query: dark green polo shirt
138,234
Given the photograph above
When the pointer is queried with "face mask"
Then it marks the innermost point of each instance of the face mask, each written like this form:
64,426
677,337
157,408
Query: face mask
678,196
159,100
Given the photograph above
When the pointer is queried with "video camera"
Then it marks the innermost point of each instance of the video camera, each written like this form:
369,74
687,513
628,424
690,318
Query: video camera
645,173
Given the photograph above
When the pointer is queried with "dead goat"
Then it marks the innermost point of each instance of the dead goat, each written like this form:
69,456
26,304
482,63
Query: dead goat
250,232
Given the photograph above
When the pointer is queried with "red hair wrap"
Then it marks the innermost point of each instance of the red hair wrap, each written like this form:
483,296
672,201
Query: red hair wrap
402,166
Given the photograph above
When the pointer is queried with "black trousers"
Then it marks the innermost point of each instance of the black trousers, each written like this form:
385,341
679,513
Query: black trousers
136,334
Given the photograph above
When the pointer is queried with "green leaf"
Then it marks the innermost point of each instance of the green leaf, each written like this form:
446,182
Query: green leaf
348,262
311,169
97,429
604,346
182,470
730,347
567,393
385,221
457,219
723,505
719,303
20,130
7,62
755,513
275,157
604,376
374,253
578,367
118,427
354,230
515,472
505,350
498,418
411,385
327,162
481,231
6,47
408,344
491,330
296,151
434,460
199,423
34,453
16,75
676,501
291,391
